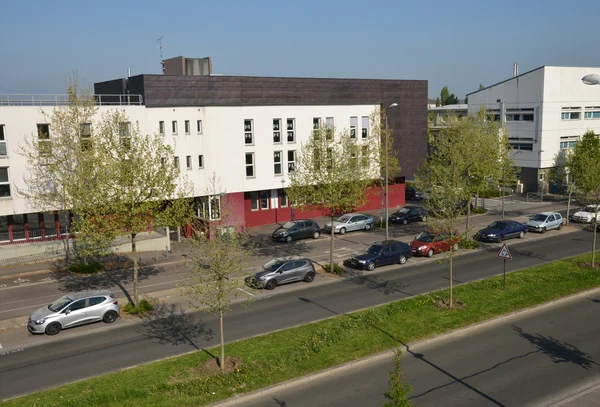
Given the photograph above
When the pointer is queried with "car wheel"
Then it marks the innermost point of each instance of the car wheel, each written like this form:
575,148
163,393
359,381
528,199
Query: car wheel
271,284
316,235
559,226
402,259
430,253
289,239
544,230
342,231
308,278
500,239
368,227
53,328
521,235
110,316
371,266
404,222
424,218
455,247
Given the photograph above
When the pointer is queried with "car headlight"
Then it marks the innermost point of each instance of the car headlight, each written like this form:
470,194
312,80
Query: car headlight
262,278
362,261
40,321
421,248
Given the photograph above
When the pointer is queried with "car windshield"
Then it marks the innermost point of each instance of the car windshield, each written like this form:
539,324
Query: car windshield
343,218
59,304
590,209
273,265
539,217
403,211
497,225
373,249
426,237
288,225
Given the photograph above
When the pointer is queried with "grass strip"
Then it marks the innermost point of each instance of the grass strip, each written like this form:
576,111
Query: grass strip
291,353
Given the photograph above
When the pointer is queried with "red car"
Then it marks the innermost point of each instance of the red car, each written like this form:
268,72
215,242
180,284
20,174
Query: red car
433,242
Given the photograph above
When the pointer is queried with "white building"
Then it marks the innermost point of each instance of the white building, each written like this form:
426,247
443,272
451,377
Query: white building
544,111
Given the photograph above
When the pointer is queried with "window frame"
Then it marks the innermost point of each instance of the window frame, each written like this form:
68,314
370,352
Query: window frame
7,182
278,163
174,127
3,140
290,170
263,197
187,127
176,162
200,161
198,126
353,126
290,131
161,127
277,131
254,201
283,199
251,165
188,162
249,132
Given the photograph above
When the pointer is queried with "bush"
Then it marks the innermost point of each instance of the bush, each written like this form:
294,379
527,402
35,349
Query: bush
336,269
89,268
144,306
468,244
478,210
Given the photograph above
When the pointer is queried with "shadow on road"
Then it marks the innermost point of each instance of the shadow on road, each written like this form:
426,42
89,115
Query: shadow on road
559,351
386,287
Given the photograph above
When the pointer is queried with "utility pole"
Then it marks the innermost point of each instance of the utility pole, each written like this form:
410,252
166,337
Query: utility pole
160,46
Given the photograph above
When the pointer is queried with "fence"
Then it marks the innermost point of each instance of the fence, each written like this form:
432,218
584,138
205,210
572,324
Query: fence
61,100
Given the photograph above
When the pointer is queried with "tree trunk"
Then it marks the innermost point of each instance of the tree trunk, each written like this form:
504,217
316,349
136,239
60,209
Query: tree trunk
595,223
135,271
468,213
568,209
451,257
222,359
331,265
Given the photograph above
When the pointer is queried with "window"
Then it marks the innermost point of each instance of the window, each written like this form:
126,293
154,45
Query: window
199,126
353,124
186,126
77,305
592,115
200,161
291,138
215,207
283,201
574,114
514,117
291,158
248,132
249,165
277,162
264,199
364,132
316,122
4,182
254,201
188,162
125,134
85,131
161,128
95,301
174,127
565,145
176,162
522,146
45,148
330,128
162,162
276,131
3,150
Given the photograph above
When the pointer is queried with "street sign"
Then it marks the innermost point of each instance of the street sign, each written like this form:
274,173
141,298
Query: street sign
504,253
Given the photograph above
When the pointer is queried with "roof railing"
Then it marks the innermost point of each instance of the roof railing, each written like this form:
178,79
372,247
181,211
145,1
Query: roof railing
14,99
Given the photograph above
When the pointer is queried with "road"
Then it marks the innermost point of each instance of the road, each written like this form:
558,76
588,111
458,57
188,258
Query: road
537,359
25,369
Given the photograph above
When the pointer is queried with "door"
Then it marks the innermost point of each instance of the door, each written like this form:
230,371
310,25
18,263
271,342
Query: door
286,273
95,312
306,231
515,229
441,243
75,315
353,224
414,215
559,220
299,270
385,256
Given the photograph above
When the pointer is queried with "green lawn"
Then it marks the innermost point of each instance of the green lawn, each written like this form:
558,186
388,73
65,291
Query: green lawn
287,354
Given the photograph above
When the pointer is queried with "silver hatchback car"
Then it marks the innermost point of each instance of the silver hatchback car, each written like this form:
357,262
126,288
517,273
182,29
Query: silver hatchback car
74,309
282,271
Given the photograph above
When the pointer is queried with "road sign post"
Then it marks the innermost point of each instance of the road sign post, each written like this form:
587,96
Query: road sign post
504,254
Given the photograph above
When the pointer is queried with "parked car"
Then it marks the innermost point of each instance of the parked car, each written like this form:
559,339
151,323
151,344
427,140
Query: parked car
381,254
282,271
74,309
501,230
411,193
297,229
586,215
433,242
541,222
409,214
350,222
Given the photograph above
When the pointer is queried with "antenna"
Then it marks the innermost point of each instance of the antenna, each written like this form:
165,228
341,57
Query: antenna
159,39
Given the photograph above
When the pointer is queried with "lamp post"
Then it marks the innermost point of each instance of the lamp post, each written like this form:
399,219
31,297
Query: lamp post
386,171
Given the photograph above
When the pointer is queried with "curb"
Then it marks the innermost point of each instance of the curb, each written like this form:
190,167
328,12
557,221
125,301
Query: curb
240,400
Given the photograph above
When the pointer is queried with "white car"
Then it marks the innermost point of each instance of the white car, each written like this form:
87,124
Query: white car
587,214
350,222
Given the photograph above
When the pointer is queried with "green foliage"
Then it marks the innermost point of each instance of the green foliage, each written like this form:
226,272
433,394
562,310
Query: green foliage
468,243
397,395
83,268
336,269
143,307
447,98
438,102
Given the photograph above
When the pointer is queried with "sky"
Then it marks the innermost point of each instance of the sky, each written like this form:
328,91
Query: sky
458,44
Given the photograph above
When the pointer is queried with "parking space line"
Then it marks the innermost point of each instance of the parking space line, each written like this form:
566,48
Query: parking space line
249,293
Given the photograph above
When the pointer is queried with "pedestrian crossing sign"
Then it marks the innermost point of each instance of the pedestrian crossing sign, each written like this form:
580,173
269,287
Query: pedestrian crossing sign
504,253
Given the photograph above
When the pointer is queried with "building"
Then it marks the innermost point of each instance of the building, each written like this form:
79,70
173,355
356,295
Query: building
247,131
544,111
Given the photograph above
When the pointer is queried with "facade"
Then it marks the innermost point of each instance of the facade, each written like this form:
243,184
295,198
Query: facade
244,131
544,111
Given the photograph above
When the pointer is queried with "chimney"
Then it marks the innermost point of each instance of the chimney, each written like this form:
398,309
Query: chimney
515,69
129,72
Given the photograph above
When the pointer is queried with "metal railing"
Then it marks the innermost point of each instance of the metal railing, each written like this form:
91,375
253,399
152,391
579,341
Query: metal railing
61,100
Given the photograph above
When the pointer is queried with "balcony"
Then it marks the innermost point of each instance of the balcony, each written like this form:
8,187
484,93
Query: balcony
62,100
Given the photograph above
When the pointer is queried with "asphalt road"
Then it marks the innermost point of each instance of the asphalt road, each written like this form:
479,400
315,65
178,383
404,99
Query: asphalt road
531,360
75,357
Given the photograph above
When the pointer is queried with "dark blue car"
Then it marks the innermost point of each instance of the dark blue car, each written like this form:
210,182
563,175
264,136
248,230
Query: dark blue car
381,254
409,214
502,230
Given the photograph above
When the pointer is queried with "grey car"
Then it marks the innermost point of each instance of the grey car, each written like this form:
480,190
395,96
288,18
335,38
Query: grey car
541,222
282,271
72,310
350,222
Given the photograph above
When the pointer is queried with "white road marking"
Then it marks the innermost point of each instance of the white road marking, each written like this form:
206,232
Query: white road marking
21,281
413,260
0,346
3,285
249,293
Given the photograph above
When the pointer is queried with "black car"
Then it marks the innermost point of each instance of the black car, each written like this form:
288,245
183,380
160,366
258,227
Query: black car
502,230
411,193
381,254
297,229
409,214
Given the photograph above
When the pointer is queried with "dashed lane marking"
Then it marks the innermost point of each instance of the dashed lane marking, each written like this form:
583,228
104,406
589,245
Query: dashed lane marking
21,281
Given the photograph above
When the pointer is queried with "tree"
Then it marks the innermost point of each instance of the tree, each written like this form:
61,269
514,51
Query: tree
216,262
583,165
448,98
378,133
333,173
559,176
396,396
141,183
438,102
